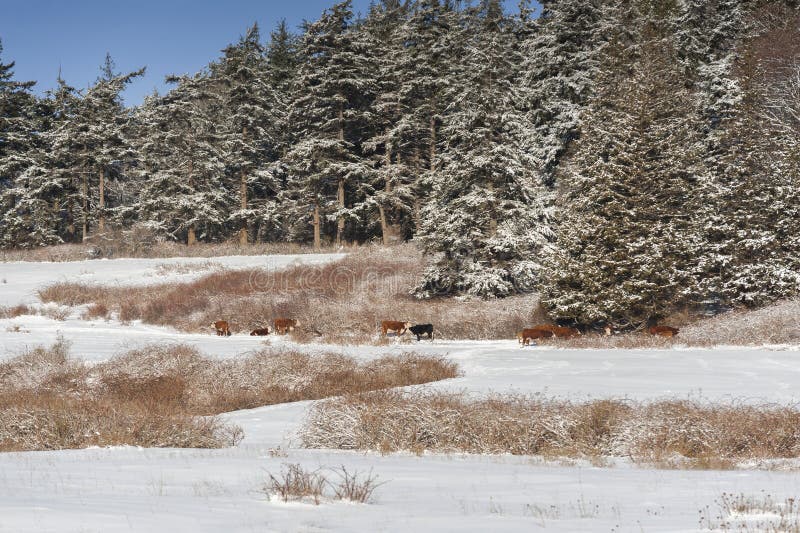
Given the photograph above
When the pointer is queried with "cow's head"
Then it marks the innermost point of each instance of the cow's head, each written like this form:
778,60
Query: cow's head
407,325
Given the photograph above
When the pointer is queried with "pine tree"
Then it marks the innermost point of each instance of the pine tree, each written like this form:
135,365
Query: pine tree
282,58
561,64
20,117
388,194
486,221
184,195
331,98
252,116
46,196
754,250
93,145
432,54
626,248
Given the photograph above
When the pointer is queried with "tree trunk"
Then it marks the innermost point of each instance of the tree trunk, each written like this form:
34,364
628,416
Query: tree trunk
85,229
243,196
191,236
433,142
340,219
340,192
101,219
317,244
381,209
492,214
418,166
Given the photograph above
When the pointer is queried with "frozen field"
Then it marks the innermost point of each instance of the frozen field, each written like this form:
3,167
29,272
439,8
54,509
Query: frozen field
129,489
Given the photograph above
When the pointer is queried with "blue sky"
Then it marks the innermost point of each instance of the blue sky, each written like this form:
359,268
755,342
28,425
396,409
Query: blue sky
166,36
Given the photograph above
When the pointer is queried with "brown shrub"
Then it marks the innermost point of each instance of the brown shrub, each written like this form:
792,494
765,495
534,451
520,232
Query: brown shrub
137,242
15,311
667,433
297,484
96,310
341,302
168,396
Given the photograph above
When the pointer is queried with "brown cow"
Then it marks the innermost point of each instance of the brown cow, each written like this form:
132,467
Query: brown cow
260,332
561,332
662,331
394,326
528,334
222,328
285,325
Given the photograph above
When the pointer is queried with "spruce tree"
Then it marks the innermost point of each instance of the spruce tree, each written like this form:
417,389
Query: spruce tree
431,55
20,119
252,118
560,66
626,247
754,252
486,220
331,98
94,145
388,191
184,195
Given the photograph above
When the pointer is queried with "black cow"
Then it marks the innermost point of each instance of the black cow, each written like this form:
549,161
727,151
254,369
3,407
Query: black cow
422,329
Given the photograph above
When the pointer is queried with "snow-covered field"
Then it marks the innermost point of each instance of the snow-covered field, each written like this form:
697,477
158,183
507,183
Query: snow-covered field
130,489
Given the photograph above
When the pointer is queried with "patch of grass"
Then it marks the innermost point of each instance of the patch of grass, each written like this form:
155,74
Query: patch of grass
163,269
139,242
752,514
297,484
95,311
15,311
342,302
170,396
669,434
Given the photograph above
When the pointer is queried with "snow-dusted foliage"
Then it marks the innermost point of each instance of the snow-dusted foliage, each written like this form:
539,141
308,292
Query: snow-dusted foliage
753,233
183,194
626,245
20,117
561,60
327,113
251,130
486,219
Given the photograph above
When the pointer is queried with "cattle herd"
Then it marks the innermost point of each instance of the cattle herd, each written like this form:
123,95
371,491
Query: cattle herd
282,326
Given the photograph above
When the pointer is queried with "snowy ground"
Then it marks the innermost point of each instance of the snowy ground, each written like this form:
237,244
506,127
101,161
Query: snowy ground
129,489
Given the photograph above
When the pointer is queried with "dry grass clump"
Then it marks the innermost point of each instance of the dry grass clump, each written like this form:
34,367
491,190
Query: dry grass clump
94,311
752,514
297,484
632,340
50,402
342,301
670,434
50,311
168,396
15,311
268,377
138,242
778,323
